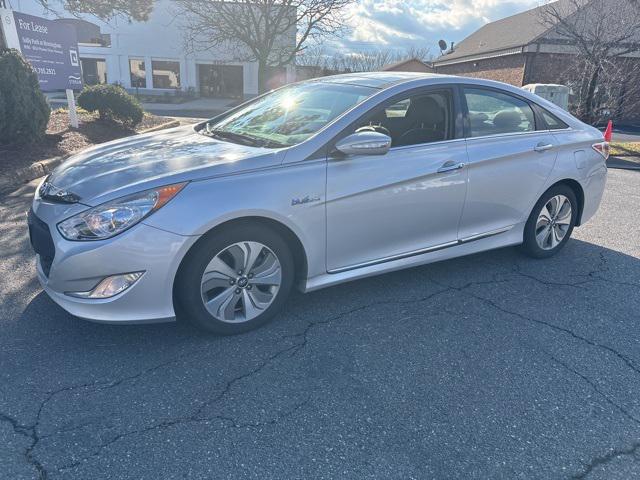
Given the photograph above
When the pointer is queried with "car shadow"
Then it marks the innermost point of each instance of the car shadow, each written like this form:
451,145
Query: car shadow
578,264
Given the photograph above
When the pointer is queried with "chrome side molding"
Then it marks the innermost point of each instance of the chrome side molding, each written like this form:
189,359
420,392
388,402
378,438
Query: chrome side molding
421,251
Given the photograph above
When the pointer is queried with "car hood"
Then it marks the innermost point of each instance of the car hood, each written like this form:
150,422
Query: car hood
146,161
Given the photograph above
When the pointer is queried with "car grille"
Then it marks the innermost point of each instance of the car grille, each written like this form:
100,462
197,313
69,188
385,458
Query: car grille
41,241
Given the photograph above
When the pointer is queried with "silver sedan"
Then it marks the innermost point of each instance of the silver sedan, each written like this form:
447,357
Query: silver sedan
311,185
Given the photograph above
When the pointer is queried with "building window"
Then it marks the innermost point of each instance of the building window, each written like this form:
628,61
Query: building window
138,73
166,74
94,71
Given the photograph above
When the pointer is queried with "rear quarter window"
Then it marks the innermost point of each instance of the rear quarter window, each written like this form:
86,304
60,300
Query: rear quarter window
551,121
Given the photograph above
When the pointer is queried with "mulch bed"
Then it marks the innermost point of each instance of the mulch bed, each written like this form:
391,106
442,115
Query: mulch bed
61,139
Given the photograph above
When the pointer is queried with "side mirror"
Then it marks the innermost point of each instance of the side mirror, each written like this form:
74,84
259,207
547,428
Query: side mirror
364,143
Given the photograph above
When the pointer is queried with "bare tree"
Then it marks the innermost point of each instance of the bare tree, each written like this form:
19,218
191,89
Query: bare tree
602,34
105,9
270,32
358,61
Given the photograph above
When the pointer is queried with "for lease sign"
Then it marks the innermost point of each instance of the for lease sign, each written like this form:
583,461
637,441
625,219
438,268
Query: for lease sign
51,48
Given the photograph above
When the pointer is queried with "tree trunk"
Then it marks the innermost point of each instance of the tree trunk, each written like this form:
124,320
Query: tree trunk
589,97
620,104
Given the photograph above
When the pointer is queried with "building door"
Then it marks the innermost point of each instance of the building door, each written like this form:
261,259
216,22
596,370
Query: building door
222,81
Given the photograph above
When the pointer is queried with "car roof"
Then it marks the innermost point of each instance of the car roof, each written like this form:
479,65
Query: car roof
384,80
377,79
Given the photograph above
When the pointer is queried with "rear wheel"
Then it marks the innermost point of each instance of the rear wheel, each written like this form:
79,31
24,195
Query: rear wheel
236,280
551,222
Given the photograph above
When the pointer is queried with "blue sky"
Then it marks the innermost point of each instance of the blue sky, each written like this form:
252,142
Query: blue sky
382,24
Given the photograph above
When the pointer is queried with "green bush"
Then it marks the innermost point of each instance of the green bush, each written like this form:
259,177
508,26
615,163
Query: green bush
24,112
112,103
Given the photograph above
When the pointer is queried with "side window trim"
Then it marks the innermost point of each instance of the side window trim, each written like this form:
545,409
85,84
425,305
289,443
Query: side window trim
466,117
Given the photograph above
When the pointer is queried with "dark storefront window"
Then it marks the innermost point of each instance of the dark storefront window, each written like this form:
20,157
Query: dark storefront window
224,81
94,71
166,74
138,73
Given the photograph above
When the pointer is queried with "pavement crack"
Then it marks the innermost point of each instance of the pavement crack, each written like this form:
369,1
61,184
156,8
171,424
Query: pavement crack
304,335
624,358
594,386
31,433
518,271
235,424
595,275
194,417
605,459
289,351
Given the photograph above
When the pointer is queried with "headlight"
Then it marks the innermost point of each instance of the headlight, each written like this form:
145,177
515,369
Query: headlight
114,217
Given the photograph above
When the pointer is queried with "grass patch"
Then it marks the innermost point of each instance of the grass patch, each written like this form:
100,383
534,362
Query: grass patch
625,149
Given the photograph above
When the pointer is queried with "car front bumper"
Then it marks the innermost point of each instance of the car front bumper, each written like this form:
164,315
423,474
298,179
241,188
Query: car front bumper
80,266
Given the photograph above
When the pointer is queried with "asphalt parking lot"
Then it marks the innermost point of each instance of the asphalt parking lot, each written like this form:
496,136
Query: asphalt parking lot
489,366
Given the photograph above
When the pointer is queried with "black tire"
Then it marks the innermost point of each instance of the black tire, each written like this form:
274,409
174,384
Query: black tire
530,246
188,280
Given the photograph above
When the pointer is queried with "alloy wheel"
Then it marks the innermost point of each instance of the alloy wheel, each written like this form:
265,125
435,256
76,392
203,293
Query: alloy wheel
554,221
241,282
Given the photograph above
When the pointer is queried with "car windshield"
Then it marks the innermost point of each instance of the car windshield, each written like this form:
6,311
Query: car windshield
288,116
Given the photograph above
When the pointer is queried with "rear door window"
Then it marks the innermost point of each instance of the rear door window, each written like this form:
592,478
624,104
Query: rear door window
495,113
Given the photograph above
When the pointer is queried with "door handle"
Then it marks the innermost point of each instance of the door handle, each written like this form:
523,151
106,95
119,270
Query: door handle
543,147
450,166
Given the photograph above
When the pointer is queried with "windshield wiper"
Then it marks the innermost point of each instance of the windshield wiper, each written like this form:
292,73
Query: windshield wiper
242,138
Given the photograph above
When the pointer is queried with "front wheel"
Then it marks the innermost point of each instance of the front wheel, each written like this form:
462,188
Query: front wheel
551,222
235,280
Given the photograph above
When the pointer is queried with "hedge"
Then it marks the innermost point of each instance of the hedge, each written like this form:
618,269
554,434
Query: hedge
112,103
24,111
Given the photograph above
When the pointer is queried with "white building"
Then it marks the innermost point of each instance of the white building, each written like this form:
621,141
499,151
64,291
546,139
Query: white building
150,56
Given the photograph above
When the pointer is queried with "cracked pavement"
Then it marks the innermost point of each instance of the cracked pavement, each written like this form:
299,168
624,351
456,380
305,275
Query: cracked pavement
489,366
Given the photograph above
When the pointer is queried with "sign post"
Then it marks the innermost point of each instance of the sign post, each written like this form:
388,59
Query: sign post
52,50
73,111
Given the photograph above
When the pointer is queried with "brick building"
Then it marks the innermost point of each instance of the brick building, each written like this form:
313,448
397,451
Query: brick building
522,49
409,65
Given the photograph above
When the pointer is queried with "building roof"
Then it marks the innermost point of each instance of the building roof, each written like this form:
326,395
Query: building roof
402,63
504,35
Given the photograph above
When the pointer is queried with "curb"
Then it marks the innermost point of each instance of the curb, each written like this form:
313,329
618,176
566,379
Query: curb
623,163
21,176
25,175
162,126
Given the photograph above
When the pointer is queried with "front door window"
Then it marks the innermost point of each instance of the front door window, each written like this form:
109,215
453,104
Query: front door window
415,120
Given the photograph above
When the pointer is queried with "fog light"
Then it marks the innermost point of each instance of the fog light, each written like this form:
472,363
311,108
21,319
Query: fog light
110,286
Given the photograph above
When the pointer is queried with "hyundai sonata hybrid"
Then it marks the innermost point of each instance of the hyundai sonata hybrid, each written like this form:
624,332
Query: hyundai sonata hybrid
310,185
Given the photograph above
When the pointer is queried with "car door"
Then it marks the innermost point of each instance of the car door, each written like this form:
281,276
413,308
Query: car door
509,161
380,207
